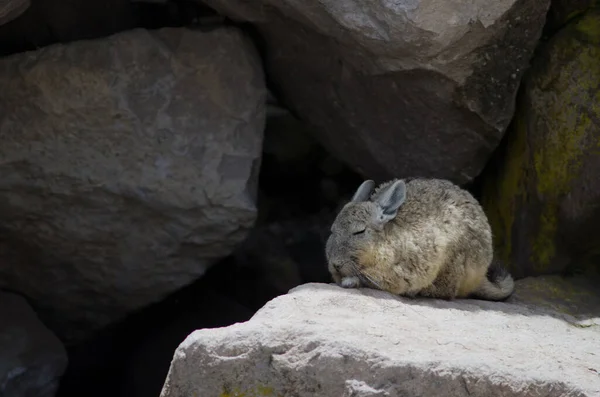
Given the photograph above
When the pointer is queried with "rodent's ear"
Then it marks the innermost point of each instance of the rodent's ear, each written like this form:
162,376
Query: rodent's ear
364,191
391,199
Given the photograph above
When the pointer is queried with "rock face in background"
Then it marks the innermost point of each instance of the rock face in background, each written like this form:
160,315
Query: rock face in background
543,191
32,359
322,340
12,9
129,166
399,88
563,11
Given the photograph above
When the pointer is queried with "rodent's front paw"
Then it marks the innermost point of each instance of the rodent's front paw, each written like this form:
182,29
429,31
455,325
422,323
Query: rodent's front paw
350,282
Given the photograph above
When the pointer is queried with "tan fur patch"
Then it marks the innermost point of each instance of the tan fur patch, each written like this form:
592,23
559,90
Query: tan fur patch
471,281
376,256
376,263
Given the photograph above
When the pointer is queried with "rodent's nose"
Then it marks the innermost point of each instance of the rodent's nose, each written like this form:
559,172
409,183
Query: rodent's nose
337,265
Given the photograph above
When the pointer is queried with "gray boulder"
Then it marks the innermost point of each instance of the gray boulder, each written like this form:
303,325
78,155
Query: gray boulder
395,88
129,166
322,340
32,359
12,9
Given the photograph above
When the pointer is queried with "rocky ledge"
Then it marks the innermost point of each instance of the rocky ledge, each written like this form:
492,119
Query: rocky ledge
321,340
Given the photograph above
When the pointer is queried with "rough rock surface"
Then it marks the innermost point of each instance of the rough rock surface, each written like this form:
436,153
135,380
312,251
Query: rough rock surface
543,190
565,11
321,340
12,9
420,87
575,296
32,359
129,165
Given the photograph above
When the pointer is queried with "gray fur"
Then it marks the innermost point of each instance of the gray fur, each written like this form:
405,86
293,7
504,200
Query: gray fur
425,237
390,199
364,191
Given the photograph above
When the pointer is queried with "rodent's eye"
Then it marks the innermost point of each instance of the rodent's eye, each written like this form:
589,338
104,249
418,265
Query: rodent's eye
359,232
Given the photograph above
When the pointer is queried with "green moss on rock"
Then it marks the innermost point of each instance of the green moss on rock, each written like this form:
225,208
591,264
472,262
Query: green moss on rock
554,134
590,24
557,162
563,12
504,191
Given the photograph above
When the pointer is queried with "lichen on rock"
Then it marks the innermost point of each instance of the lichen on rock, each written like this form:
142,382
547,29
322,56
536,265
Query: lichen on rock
540,200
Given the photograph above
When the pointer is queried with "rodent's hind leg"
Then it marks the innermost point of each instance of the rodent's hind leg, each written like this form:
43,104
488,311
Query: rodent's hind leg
350,282
445,286
437,293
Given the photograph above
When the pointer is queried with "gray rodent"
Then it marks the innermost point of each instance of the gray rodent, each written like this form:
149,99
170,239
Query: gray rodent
419,237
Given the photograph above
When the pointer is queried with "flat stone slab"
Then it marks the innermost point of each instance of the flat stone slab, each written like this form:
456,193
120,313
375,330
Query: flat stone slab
322,340
575,299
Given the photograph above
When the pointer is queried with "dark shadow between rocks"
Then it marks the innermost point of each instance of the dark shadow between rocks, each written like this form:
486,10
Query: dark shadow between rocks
48,22
132,357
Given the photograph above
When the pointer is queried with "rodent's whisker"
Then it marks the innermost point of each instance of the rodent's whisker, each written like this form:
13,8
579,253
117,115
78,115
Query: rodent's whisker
362,277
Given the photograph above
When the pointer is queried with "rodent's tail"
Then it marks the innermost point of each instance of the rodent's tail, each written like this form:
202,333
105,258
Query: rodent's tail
498,284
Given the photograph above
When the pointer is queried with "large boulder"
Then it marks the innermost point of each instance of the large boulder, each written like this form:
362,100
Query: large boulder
129,165
322,340
12,9
543,189
423,87
32,359
565,11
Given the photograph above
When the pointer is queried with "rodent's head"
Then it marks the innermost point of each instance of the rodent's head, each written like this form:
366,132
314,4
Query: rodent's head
360,223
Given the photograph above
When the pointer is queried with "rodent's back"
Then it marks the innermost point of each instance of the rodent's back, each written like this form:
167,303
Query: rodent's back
437,206
440,201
